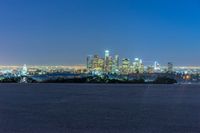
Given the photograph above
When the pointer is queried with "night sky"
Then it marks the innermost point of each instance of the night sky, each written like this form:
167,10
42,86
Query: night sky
64,32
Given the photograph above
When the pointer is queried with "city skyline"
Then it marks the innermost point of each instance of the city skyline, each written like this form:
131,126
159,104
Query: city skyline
63,32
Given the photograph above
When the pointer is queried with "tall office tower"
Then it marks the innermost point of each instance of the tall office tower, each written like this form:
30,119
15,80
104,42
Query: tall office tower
125,66
107,61
100,66
116,61
110,64
95,62
170,67
115,65
141,68
107,53
89,62
138,66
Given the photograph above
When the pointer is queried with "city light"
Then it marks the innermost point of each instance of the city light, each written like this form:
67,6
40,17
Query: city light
111,66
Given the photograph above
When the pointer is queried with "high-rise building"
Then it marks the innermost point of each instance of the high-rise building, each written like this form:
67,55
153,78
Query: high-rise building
138,66
110,64
170,67
125,66
107,61
100,64
141,69
115,66
116,61
95,62
89,62
107,53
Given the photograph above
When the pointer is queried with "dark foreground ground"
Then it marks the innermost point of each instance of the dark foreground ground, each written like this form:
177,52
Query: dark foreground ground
87,108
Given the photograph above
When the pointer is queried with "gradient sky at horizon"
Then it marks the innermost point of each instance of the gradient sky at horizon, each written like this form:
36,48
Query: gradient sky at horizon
64,32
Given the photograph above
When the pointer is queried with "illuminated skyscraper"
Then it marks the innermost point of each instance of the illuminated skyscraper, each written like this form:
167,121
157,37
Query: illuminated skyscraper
116,61
107,53
115,67
138,66
89,62
100,66
95,62
110,64
125,66
107,61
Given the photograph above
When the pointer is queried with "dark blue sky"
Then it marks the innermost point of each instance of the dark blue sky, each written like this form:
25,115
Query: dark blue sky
66,31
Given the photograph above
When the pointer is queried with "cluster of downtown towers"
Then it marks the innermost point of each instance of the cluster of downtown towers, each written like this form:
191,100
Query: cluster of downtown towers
109,64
